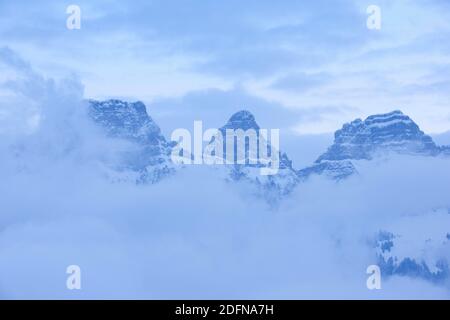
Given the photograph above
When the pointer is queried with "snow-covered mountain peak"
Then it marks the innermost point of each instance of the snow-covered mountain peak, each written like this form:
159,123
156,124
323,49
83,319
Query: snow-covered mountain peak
125,120
271,186
242,120
149,161
392,132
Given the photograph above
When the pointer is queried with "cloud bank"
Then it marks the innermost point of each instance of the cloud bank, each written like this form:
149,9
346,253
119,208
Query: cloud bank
192,235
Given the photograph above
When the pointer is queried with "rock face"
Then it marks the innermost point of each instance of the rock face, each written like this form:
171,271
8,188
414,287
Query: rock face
241,120
149,159
362,140
392,132
336,170
271,186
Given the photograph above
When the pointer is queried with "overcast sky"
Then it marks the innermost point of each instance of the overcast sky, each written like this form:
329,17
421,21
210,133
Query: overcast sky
307,65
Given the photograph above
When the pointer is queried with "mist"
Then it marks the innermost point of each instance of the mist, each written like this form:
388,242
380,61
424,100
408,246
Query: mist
192,235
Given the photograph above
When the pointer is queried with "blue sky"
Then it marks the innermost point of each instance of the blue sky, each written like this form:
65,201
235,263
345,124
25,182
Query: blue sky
308,66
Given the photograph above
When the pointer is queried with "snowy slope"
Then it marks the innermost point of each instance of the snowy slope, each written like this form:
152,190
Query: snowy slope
416,246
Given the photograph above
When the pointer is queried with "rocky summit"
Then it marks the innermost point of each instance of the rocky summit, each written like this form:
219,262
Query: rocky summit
392,132
272,186
149,159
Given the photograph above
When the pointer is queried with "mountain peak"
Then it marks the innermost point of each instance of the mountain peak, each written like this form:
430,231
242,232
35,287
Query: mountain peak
249,167
389,118
393,131
125,119
243,119
364,139
130,121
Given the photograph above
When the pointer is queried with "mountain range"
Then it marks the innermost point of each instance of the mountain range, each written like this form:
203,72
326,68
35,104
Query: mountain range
358,140
149,161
